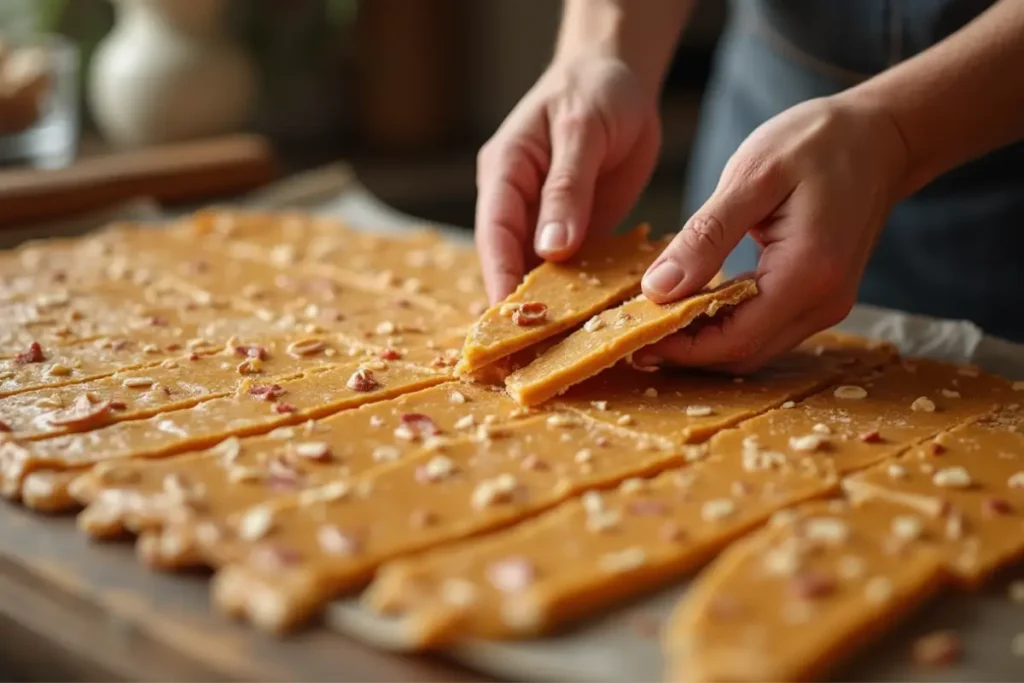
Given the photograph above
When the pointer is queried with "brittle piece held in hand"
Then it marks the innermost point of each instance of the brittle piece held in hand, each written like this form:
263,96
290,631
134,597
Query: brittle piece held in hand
791,601
451,491
613,335
555,297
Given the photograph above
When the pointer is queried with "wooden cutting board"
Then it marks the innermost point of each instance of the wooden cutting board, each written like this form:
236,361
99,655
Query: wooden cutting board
183,172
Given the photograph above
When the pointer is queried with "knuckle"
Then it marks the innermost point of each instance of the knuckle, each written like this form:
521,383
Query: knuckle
755,170
703,233
572,123
561,185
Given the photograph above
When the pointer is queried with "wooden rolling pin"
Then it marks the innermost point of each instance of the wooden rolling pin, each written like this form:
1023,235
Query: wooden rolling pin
182,172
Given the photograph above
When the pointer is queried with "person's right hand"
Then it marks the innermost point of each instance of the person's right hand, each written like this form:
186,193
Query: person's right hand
570,160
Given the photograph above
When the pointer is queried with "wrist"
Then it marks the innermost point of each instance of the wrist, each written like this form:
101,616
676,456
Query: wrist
889,138
641,36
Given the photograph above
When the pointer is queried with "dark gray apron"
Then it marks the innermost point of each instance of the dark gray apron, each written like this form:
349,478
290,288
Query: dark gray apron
956,248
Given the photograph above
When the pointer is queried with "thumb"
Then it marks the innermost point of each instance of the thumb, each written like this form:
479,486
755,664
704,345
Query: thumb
577,151
741,201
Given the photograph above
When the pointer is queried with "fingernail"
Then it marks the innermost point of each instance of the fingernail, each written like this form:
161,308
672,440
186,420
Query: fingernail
553,237
663,277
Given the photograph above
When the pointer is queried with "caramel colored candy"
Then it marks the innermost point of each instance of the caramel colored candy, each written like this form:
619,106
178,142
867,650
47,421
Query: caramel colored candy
868,419
63,365
173,384
256,408
966,488
555,297
664,527
448,492
789,602
690,407
584,555
611,336
240,473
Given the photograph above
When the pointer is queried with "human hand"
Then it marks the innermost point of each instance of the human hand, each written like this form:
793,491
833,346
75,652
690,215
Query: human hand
812,186
570,160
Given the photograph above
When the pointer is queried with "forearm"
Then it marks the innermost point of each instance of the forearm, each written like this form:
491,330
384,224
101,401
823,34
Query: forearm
959,99
643,33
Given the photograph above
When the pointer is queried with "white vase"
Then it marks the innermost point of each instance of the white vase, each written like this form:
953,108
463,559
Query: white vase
169,71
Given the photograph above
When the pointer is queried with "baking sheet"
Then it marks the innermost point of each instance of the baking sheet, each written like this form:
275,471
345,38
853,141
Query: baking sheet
622,646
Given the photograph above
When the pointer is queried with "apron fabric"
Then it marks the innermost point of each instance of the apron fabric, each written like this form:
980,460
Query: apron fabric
955,249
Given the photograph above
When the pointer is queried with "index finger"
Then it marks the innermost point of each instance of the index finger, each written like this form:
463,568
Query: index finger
506,189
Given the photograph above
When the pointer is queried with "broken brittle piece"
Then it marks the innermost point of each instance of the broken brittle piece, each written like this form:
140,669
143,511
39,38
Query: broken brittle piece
793,600
603,273
968,486
256,408
239,473
618,332
453,490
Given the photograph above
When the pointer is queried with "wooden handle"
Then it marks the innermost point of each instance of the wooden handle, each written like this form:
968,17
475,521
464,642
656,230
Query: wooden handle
173,173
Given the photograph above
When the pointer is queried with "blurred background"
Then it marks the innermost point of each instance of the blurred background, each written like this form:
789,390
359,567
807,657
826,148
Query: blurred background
404,90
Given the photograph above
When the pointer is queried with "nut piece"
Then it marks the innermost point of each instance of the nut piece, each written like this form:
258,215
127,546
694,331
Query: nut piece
718,509
137,383
907,528
386,454
334,541
33,354
362,380
808,443
871,437
256,524
593,325
827,529
530,314
437,468
941,648
952,477
699,411
267,392
416,427
850,392
923,404
810,586
511,574
314,450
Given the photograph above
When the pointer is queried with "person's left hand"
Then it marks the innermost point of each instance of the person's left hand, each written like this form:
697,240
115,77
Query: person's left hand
813,187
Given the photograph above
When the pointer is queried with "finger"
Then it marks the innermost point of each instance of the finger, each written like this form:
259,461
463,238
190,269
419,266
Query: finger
789,338
577,150
746,196
508,183
754,326
618,188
